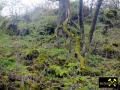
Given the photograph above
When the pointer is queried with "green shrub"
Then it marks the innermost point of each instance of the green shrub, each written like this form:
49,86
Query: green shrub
59,71
94,60
7,64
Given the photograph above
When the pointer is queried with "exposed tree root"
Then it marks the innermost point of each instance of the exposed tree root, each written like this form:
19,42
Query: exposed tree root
76,38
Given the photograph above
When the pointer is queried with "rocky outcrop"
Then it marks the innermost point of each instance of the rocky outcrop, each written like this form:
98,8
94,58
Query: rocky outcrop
12,29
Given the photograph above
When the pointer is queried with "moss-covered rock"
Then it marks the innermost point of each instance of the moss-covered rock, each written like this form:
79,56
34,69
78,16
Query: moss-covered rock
33,54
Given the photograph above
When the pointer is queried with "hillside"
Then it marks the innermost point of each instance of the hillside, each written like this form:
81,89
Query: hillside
33,58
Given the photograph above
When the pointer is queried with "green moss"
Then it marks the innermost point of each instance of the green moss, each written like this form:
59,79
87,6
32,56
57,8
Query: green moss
112,73
32,54
77,51
68,82
42,58
62,57
109,48
111,51
35,86
59,53
10,64
65,28
7,64
6,45
72,65
91,71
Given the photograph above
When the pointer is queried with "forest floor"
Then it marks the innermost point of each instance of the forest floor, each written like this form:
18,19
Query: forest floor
33,63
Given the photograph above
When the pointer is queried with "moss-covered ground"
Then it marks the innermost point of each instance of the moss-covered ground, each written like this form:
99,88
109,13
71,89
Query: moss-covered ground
33,63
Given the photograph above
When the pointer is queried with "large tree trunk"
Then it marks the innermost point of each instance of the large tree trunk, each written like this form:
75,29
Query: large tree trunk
64,7
93,26
64,10
81,26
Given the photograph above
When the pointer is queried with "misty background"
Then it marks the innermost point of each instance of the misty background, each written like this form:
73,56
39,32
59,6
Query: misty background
19,7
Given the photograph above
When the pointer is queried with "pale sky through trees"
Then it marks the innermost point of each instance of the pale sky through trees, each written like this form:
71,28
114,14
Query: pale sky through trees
21,5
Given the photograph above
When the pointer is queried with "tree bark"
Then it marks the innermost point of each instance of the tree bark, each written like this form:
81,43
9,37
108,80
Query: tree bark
93,26
64,7
64,10
81,26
